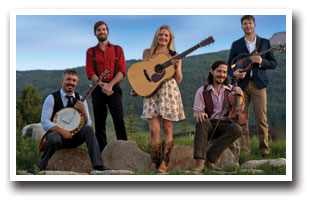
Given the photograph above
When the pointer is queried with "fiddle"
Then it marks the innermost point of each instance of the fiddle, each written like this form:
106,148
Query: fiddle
236,103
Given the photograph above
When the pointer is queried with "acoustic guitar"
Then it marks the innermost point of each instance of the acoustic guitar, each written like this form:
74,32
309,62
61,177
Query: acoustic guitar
146,77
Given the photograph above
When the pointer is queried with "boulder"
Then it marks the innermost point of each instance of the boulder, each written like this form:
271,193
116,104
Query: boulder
254,164
182,159
227,159
74,160
35,131
61,173
235,149
125,155
111,172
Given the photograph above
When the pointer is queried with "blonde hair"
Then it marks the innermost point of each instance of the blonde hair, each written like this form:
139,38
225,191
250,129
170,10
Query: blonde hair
154,45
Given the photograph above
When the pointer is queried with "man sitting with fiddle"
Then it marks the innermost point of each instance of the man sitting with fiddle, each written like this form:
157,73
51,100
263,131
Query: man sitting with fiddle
57,137
211,111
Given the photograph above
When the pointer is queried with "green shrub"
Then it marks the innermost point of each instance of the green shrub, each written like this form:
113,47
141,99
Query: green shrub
27,154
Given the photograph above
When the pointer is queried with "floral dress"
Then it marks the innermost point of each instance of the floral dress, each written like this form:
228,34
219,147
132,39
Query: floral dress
166,103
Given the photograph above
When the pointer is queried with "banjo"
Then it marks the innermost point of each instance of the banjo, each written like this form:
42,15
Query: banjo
70,118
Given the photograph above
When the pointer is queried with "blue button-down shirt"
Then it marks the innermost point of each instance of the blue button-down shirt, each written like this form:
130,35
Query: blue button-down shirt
48,107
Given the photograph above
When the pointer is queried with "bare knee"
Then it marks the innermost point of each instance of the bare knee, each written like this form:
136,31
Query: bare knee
154,131
168,127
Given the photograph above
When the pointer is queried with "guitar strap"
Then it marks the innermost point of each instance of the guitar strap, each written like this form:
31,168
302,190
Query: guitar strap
95,63
257,45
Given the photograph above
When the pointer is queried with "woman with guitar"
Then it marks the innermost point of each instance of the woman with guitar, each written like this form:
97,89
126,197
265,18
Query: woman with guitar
165,104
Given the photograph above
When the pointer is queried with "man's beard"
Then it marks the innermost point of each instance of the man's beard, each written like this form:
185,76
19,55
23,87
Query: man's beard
220,82
102,39
69,90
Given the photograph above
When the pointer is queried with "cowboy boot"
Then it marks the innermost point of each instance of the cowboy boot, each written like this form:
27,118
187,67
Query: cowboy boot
199,165
155,156
166,149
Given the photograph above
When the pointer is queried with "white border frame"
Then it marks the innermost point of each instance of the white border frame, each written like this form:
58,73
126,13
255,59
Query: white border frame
287,177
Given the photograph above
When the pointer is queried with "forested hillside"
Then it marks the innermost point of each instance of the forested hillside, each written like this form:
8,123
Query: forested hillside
194,68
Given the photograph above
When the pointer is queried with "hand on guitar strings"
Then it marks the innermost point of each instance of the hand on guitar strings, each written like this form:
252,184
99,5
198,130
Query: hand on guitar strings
176,63
256,59
79,106
238,74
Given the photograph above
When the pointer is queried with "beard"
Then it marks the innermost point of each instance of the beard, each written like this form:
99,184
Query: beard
67,89
102,38
218,81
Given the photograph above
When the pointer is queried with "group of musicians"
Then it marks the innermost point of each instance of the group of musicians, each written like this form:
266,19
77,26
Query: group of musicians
212,105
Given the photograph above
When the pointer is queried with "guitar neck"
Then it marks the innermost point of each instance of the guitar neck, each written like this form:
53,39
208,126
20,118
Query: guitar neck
182,55
93,87
89,91
265,51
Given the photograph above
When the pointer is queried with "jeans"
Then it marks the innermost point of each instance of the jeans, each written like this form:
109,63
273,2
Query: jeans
55,141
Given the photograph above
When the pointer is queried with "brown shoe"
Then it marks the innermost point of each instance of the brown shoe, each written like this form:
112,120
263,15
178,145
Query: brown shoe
155,156
166,148
199,165
212,166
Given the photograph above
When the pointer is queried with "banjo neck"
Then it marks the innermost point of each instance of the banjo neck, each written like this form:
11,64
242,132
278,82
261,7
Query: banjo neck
103,75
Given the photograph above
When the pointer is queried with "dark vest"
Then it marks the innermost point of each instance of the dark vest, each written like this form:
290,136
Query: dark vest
208,100
58,103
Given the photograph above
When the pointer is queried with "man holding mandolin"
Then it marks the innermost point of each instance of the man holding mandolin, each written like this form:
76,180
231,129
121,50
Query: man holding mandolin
61,106
248,65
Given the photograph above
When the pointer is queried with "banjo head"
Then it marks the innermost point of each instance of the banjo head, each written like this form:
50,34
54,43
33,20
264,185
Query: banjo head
69,119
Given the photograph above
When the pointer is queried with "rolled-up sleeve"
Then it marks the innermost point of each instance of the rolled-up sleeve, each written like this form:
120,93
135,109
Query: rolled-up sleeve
199,103
89,64
89,122
47,113
121,61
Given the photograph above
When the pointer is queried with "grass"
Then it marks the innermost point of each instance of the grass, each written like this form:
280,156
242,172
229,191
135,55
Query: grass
27,154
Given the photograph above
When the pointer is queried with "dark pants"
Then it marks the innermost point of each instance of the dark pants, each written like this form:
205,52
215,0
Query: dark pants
56,141
114,102
225,134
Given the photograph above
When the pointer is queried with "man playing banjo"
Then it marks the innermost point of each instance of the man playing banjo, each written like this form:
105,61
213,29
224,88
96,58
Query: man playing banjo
58,137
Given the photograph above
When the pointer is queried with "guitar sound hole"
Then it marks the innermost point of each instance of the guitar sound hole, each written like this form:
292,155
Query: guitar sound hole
159,68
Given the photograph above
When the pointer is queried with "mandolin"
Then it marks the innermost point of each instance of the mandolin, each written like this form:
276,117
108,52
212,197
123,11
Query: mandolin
244,62
146,77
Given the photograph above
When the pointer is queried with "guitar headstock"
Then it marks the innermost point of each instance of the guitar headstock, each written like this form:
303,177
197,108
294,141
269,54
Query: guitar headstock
105,73
206,41
278,48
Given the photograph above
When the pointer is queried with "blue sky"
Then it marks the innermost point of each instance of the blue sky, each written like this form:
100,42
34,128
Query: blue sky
60,41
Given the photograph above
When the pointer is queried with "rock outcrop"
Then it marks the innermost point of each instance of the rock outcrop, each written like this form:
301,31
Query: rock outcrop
75,160
35,131
125,155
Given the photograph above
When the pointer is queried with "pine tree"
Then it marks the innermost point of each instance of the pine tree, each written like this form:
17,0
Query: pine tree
28,108
131,125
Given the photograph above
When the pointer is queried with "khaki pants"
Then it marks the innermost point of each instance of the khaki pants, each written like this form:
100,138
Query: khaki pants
259,101
225,134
